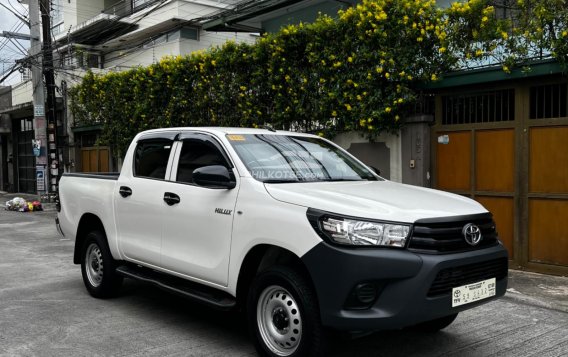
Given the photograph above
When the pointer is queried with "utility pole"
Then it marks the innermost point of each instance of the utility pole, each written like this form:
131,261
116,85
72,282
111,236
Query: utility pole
39,122
49,75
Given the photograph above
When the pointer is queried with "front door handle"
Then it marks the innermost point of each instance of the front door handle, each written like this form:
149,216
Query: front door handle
125,191
171,198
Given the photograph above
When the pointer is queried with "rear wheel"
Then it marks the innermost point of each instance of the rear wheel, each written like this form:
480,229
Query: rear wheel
98,268
283,314
435,325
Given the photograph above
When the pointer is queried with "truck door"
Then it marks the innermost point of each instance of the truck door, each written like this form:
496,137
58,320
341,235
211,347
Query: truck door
140,203
197,229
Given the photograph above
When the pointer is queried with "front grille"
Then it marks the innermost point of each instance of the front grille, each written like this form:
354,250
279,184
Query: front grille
439,237
450,278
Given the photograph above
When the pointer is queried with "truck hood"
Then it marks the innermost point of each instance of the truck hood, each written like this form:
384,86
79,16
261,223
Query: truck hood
381,200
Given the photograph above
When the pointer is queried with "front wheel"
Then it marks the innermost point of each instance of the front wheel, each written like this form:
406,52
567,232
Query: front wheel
98,267
283,314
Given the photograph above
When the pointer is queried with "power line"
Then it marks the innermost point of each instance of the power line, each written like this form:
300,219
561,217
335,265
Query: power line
16,10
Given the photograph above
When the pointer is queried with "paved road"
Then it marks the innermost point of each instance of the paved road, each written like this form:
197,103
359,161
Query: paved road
45,311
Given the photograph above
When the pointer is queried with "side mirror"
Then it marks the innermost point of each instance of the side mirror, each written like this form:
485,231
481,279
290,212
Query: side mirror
214,176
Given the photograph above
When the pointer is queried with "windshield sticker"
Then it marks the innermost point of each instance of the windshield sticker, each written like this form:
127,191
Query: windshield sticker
236,137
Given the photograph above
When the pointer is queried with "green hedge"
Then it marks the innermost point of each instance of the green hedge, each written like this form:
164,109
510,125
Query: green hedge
354,72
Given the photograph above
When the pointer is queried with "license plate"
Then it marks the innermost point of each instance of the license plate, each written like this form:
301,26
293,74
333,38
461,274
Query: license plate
473,292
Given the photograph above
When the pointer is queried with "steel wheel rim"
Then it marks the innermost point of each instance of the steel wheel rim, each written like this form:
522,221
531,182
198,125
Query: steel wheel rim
279,320
94,265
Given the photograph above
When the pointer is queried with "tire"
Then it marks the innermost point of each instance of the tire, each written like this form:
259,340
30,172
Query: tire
435,325
283,314
98,267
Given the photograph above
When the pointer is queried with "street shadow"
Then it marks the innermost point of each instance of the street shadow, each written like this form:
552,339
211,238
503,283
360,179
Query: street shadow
232,325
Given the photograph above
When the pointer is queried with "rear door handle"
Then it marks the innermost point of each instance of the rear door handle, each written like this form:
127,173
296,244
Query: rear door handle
125,191
171,198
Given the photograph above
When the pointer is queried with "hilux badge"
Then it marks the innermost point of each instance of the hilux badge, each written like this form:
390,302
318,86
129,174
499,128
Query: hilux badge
471,234
223,211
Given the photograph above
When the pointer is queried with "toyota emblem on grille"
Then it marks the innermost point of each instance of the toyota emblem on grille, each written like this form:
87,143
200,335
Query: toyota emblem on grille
471,234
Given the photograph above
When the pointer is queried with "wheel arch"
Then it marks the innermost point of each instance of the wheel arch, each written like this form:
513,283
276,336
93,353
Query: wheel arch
88,223
260,258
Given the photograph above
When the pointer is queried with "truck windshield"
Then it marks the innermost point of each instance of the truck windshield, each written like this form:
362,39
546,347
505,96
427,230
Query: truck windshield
282,158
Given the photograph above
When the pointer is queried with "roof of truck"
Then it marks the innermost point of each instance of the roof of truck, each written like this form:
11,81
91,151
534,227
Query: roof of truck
224,131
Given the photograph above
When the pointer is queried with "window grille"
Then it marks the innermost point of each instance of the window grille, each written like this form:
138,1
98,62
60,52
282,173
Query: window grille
548,101
484,107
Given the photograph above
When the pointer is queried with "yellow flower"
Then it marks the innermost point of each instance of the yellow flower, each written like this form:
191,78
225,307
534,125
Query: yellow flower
442,49
213,63
434,77
396,117
334,113
348,107
387,75
504,35
506,69
484,19
362,122
350,59
564,33
320,134
243,88
388,109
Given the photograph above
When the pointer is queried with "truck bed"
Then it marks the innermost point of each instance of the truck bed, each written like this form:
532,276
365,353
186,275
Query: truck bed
96,175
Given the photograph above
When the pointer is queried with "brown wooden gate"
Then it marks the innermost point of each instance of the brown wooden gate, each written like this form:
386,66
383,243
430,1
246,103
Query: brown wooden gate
508,149
95,159
480,164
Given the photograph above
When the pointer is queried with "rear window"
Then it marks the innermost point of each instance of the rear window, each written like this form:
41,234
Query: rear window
151,158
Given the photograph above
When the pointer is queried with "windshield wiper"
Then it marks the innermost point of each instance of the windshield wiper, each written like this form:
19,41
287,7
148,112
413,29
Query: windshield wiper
279,181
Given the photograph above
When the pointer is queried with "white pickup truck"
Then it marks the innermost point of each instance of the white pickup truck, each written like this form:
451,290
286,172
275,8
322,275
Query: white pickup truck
287,226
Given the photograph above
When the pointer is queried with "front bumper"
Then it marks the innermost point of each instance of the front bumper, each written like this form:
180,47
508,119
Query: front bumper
405,279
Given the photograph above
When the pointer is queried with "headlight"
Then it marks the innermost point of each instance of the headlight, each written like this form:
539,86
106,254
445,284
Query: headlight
355,232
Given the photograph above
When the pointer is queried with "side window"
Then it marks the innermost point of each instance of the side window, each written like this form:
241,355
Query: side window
196,153
151,158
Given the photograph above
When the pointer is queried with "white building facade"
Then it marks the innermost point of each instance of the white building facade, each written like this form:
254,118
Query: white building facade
102,36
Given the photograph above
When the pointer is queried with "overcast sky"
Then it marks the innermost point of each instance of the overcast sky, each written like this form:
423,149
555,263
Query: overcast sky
8,51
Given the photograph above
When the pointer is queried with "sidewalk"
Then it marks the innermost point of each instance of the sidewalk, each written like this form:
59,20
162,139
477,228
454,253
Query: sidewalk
547,291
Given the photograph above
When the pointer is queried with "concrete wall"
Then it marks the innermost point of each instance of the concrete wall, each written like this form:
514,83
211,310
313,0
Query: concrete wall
85,10
384,153
153,53
22,93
